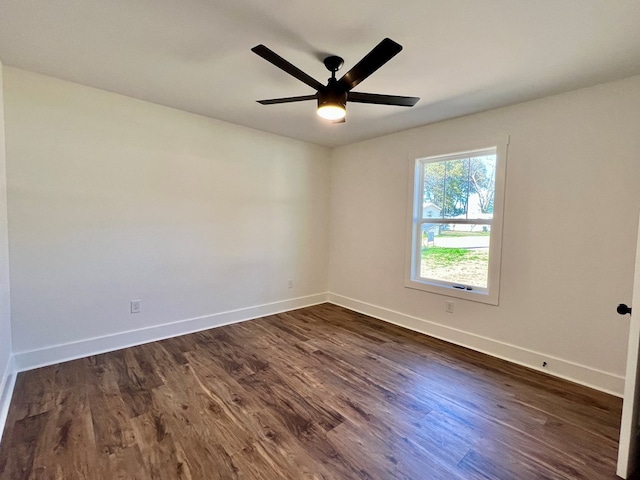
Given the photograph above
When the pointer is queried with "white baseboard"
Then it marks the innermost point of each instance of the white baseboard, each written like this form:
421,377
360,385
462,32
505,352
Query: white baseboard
7,383
582,374
28,360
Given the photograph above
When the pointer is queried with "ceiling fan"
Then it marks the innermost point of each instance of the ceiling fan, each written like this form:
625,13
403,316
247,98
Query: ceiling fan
333,97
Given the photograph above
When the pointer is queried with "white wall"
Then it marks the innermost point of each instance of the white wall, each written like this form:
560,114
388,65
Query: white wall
113,199
572,201
5,312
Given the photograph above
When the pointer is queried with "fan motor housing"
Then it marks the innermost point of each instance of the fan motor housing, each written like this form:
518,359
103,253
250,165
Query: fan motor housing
332,95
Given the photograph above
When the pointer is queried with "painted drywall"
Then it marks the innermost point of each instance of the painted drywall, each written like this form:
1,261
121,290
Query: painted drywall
570,224
113,199
5,311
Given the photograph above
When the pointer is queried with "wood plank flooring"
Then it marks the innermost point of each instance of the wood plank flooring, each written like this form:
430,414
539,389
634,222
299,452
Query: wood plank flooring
317,393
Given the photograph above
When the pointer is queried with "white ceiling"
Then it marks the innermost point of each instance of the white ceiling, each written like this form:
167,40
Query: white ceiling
460,56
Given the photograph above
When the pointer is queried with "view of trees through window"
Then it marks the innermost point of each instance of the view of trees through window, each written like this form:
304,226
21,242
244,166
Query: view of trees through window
457,213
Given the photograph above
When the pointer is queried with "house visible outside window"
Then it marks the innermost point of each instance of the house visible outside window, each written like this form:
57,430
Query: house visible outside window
456,226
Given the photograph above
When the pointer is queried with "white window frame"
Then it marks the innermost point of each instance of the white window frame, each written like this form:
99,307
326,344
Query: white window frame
491,294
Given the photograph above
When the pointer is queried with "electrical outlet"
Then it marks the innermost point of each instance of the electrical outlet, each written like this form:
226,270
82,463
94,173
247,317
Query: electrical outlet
136,306
448,307
290,283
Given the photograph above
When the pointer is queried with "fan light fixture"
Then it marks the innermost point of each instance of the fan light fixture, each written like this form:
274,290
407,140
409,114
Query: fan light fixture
331,111
332,102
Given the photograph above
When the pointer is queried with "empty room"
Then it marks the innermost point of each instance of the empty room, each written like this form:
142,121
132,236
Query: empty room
319,240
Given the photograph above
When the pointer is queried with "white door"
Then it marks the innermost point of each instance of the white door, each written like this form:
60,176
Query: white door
628,449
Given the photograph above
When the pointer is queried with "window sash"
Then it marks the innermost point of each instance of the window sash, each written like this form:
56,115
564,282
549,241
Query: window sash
417,263
458,221
467,155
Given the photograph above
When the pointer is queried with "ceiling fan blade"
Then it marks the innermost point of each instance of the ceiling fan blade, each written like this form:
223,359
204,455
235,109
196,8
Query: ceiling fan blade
358,97
372,61
273,101
281,63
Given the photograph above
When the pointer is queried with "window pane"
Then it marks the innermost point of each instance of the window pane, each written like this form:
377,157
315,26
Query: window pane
461,188
455,253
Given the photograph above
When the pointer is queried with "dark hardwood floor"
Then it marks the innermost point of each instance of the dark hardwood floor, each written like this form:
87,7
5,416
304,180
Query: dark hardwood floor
318,393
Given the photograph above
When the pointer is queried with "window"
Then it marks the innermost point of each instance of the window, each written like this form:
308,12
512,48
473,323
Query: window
456,223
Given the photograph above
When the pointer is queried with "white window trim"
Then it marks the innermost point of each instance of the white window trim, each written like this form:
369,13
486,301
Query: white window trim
492,294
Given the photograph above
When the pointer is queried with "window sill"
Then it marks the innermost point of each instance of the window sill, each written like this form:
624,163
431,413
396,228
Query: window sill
480,296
